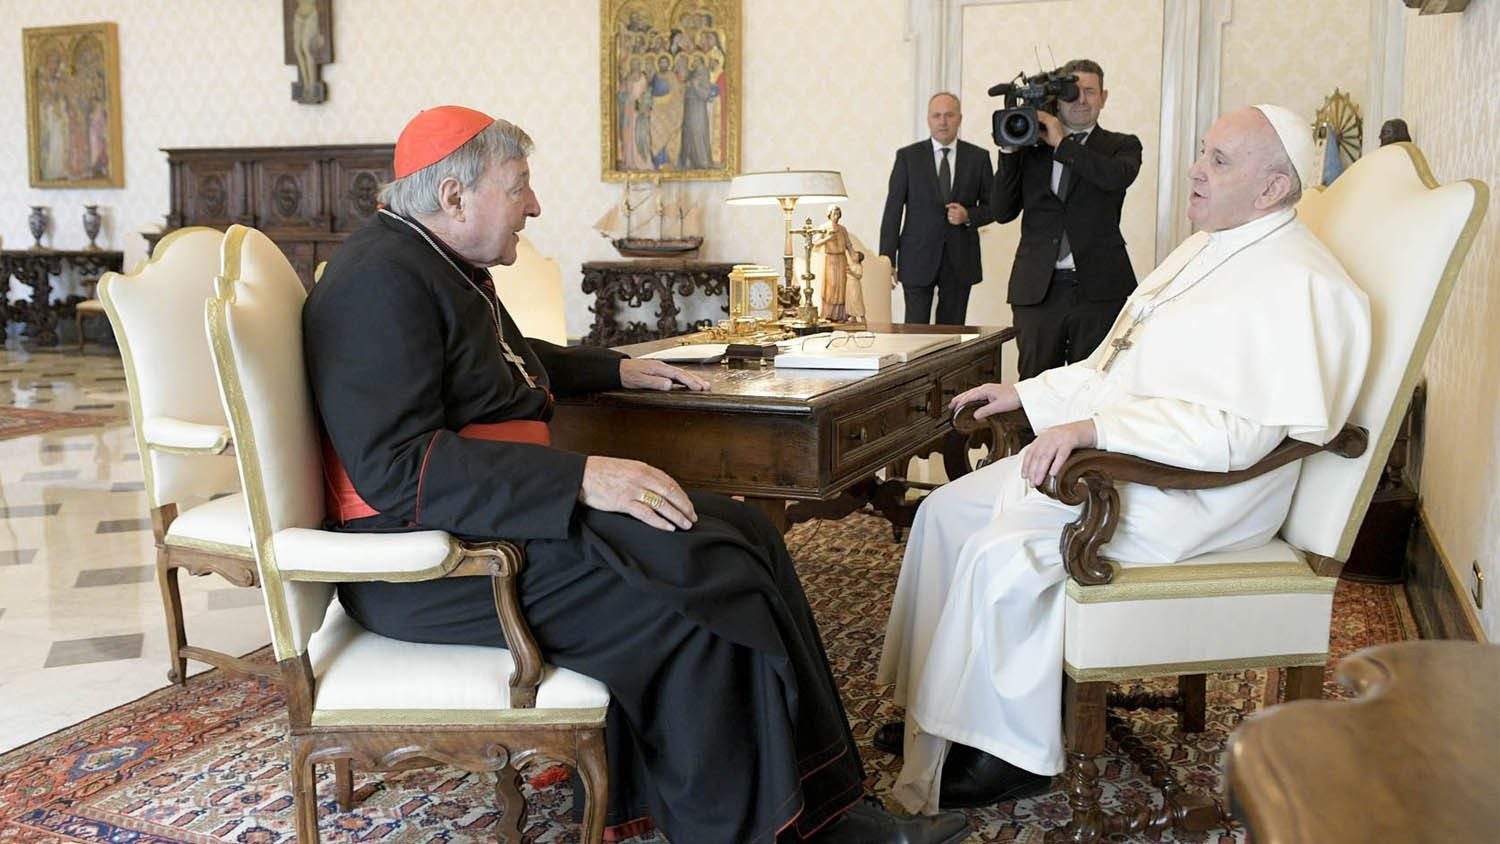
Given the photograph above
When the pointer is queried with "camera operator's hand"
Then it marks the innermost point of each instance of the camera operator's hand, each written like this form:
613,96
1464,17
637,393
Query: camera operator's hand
1051,128
957,214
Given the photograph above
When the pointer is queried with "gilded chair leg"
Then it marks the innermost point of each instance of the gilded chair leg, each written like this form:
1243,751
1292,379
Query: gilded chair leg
1192,694
171,601
304,794
1305,682
343,782
1083,732
593,769
508,830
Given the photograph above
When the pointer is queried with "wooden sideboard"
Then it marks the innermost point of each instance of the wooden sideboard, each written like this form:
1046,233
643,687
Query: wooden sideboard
306,199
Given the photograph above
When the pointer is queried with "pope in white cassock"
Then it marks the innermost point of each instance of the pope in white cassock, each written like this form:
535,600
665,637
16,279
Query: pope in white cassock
1248,333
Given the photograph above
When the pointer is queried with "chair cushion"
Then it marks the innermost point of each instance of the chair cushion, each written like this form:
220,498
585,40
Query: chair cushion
1215,612
365,678
307,554
220,526
169,433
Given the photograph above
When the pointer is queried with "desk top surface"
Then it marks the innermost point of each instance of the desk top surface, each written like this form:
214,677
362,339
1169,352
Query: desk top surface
768,389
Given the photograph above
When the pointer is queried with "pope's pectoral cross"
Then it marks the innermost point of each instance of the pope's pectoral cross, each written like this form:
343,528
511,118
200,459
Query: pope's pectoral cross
1119,344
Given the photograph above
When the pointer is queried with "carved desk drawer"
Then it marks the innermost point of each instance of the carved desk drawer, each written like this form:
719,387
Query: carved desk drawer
970,374
909,413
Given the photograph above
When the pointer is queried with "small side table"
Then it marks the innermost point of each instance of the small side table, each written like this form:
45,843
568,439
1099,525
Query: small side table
35,269
634,283
1412,758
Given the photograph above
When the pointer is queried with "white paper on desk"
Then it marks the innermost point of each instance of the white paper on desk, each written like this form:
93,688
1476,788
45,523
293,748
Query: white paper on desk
690,353
862,359
883,350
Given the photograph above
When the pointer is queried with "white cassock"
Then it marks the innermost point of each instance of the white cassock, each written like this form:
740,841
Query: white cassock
1270,343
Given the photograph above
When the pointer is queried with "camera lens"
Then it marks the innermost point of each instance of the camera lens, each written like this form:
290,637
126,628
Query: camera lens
1017,125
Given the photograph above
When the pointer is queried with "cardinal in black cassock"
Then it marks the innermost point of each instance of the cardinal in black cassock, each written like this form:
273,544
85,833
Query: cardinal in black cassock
725,723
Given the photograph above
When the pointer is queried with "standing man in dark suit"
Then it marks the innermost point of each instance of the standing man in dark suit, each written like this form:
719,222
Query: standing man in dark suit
943,185
1071,273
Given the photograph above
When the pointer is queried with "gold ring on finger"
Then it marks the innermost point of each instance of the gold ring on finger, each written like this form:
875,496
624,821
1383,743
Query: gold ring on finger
651,499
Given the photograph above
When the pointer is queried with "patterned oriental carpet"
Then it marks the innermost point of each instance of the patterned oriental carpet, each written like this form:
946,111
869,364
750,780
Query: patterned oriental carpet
20,422
208,763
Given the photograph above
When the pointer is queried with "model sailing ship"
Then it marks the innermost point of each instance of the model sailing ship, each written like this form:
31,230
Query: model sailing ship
645,224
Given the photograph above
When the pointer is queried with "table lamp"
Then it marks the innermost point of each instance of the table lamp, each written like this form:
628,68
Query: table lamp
785,188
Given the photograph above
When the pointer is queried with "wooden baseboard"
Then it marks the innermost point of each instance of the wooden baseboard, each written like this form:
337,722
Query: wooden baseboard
1439,602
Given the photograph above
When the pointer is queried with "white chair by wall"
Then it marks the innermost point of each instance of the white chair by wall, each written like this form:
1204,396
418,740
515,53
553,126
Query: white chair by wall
1403,239
532,291
353,695
180,429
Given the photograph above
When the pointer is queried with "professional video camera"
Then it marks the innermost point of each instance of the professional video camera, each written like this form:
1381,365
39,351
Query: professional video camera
1016,124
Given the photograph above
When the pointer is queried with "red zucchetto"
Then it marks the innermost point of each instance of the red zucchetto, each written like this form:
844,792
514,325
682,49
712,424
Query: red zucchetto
434,134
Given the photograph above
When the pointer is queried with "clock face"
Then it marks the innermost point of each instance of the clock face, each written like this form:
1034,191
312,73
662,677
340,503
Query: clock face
761,295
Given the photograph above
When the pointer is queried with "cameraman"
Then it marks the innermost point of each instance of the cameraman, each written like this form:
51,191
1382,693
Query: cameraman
1071,274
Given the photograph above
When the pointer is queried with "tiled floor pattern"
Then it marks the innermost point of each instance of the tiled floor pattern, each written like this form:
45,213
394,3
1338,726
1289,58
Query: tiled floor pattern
81,623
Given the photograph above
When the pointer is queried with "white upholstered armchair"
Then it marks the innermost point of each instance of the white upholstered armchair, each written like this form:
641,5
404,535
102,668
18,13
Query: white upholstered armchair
180,429
353,695
1403,239
532,291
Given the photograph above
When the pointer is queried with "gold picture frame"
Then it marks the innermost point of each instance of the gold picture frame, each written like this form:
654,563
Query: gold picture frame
73,106
680,120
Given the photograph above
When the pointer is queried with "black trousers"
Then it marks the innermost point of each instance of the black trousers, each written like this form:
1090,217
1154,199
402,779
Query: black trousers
1063,328
952,293
725,724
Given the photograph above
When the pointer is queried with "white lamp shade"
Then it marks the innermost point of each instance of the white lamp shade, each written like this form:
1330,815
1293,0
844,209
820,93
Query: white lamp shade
804,185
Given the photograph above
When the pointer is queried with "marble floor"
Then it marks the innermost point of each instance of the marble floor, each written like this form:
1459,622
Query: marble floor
81,622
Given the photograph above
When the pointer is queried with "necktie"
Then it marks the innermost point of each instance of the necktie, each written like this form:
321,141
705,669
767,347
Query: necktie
945,176
1064,248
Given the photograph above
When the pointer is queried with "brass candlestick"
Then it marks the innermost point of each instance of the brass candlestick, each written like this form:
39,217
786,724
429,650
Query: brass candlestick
808,313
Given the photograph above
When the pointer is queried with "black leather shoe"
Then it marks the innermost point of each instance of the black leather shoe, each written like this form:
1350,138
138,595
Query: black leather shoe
869,823
973,778
891,738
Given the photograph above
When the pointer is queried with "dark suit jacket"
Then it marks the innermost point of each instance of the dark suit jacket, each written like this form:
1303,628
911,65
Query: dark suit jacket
916,246
1099,172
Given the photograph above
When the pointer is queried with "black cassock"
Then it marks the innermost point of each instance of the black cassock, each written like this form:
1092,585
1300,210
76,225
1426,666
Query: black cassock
725,724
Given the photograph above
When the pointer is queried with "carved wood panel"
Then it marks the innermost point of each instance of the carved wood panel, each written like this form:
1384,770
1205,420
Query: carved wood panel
212,192
354,189
288,195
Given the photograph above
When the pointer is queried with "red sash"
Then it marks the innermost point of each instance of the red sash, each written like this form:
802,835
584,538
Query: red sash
344,502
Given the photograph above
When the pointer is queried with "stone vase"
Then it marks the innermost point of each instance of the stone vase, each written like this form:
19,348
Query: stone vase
38,223
91,221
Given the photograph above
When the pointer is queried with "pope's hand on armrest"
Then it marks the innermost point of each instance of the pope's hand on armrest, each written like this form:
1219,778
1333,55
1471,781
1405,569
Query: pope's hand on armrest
170,434
997,398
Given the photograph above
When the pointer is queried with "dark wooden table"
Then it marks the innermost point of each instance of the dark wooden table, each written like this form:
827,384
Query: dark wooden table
35,269
1414,758
636,283
779,435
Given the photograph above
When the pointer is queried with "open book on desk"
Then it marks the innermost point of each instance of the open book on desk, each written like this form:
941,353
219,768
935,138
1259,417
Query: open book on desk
854,353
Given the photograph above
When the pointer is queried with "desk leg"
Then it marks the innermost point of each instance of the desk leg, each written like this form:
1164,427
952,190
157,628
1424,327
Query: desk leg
775,510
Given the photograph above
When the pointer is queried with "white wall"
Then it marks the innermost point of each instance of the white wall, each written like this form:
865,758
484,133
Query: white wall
1294,53
1452,76
826,85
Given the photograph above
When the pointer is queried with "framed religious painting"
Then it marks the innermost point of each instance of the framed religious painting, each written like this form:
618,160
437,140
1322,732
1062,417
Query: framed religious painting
73,106
669,89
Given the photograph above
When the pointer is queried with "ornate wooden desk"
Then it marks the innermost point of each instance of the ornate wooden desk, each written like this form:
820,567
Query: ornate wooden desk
635,283
783,435
35,269
1415,757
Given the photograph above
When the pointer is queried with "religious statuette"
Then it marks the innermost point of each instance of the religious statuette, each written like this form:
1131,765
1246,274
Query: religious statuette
91,221
647,224
308,35
843,298
38,223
